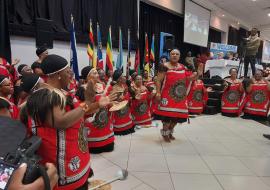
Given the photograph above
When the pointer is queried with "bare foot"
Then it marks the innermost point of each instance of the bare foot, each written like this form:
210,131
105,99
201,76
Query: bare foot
167,139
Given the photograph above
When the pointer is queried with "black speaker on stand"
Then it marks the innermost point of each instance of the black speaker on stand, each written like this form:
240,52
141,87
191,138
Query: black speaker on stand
168,43
44,33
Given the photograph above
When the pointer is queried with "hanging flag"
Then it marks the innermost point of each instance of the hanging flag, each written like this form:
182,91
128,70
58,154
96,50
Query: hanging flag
5,50
119,62
152,57
128,56
109,54
99,49
91,44
73,51
137,56
146,55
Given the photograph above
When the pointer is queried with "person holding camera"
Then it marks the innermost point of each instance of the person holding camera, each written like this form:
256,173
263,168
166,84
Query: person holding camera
17,178
252,46
19,167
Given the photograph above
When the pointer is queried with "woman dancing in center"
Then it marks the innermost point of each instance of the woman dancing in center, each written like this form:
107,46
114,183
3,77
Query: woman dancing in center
172,83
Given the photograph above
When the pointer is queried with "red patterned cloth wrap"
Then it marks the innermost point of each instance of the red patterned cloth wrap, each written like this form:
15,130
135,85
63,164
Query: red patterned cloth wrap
257,102
173,102
122,119
197,97
100,128
231,99
141,110
67,149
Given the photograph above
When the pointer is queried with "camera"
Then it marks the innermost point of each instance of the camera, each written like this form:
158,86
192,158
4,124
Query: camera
15,150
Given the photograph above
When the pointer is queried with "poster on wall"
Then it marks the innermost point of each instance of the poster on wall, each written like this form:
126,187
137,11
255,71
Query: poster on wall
266,52
221,49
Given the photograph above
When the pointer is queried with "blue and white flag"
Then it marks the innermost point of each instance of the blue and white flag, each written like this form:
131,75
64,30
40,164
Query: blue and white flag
119,62
73,51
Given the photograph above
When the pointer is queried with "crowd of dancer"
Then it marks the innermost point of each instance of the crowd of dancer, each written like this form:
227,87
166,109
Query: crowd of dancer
75,118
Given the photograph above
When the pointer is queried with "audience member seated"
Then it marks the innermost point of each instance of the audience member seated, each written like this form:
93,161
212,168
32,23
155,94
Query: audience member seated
189,60
232,95
235,57
257,100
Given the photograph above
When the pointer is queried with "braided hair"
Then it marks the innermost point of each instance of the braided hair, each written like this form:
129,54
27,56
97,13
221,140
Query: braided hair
42,102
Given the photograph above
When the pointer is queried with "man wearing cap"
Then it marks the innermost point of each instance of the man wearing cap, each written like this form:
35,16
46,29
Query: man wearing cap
57,117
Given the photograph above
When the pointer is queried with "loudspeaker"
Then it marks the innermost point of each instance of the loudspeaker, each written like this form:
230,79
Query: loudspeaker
44,33
168,43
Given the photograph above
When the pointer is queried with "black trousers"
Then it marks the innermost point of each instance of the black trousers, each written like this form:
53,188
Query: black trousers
252,60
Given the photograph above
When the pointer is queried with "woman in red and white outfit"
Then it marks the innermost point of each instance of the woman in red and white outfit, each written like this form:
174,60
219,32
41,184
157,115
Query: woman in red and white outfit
100,137
257,100
56,116
141,104
122,119
197,97
6,92
172,83
232,95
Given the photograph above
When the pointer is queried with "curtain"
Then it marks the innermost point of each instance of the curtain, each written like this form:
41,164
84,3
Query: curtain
117,13
5,51
214,36
233,36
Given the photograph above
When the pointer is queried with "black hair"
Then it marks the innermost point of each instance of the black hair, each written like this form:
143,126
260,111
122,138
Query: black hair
42,102
36,65
232,69
4,104
21,67
246,83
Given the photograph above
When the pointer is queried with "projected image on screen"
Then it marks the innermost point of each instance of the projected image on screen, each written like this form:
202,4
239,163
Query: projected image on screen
196,27
266,52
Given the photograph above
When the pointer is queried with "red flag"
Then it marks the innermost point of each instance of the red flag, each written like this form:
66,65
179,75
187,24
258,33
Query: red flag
146,55
137,60
146,50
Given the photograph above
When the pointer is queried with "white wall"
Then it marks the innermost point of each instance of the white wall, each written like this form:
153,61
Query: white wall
221,25
265,32
176,6
24,48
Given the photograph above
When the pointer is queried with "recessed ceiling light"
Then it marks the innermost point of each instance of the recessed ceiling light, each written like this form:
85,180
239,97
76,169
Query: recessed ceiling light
269,14
254,0
223,15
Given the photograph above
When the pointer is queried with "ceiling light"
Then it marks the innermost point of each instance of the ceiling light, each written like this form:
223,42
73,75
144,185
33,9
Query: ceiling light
269,14
254,0
223,15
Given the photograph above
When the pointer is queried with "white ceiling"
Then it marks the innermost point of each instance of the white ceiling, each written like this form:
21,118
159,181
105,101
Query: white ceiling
252,12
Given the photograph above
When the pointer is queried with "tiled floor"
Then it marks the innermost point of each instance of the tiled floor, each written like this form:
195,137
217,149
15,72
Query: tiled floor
211,153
